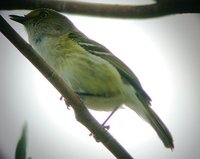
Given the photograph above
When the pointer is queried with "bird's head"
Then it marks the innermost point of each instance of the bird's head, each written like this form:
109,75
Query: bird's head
44,22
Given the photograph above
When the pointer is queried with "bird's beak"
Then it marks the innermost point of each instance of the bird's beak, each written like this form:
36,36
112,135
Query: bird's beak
19,19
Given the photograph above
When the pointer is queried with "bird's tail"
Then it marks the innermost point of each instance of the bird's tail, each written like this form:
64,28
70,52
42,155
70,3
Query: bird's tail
152,118
160,128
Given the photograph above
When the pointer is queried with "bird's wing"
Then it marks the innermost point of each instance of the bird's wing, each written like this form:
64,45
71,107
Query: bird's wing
100,51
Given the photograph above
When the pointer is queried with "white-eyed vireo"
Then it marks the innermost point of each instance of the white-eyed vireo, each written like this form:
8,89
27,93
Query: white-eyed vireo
101,80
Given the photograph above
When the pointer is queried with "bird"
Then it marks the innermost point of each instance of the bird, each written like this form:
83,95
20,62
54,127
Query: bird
93,72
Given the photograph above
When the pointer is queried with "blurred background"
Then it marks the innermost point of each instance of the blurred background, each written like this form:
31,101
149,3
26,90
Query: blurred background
163,53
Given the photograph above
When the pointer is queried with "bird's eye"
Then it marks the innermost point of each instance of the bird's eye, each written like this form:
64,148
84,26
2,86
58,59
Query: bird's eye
43,14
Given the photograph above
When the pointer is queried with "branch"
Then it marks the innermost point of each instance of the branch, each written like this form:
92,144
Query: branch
160,8
81,112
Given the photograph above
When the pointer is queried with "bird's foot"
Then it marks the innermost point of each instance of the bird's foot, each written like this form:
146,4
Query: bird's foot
66,102
106,127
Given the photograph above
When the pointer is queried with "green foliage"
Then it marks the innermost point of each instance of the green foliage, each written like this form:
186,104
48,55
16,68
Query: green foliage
20,152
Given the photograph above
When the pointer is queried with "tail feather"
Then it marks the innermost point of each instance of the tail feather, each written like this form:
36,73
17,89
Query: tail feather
152,118
140,103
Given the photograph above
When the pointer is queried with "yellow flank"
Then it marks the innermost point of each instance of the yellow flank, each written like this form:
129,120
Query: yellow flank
78,68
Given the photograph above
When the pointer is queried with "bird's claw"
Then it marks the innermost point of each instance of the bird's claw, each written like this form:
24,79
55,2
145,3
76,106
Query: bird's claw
106,127
66,102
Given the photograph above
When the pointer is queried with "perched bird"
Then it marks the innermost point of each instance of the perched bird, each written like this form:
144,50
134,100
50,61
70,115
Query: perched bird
101,80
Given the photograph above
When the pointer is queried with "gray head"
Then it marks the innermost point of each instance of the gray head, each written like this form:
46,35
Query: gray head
44,22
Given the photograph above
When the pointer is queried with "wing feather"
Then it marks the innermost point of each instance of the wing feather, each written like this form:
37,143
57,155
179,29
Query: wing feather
100,51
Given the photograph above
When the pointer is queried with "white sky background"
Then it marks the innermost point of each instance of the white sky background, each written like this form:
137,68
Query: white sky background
162,52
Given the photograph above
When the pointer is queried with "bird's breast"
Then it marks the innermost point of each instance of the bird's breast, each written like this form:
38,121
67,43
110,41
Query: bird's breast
83,72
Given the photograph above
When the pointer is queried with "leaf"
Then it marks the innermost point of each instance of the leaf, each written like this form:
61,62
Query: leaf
20,152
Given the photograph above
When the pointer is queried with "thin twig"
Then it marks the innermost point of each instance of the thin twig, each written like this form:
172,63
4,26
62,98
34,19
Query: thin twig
159,8
81,112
